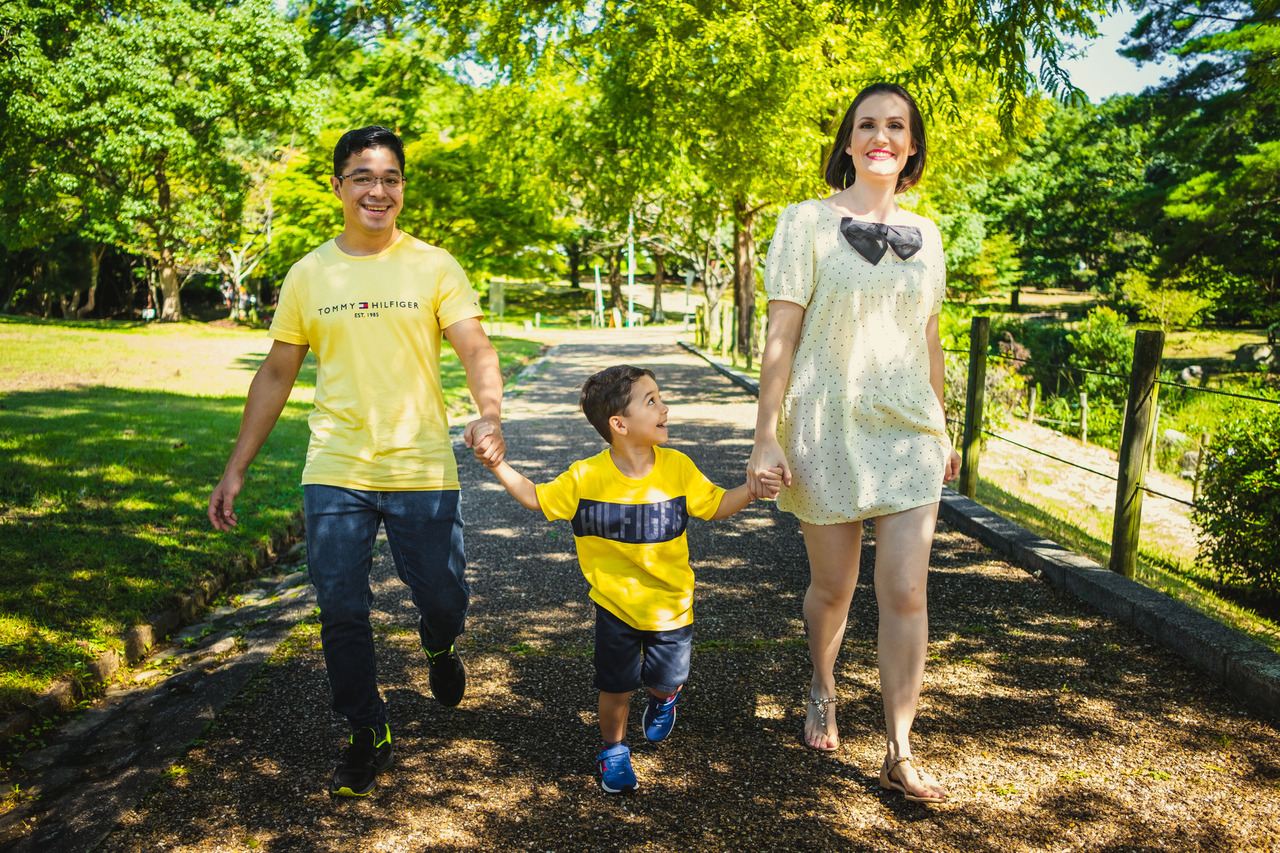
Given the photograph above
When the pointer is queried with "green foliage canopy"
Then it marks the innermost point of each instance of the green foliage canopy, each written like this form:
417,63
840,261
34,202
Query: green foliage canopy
121,128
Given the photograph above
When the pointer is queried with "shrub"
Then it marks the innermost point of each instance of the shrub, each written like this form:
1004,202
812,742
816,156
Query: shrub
1238,512
1169,307
1104,343
1005,387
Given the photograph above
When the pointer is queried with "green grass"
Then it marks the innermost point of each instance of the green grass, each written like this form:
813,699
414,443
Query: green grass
1175,573
111,437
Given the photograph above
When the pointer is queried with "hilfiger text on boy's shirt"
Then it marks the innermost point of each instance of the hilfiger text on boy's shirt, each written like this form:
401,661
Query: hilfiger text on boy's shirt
636,524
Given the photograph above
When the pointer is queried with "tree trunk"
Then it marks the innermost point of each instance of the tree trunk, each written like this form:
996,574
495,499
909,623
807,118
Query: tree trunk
573,254
615,281
169,288
656,315
744,275
171,310
70,309
95,266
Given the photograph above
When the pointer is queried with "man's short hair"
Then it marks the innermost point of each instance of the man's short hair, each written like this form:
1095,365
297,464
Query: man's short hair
607,393
373,136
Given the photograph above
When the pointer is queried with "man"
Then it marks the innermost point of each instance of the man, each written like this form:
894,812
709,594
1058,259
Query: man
373,304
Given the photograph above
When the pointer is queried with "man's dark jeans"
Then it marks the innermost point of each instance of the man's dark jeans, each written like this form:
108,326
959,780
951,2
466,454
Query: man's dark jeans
424,530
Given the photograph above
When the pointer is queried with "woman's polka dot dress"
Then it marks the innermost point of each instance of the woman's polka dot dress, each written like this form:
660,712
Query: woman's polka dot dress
862,429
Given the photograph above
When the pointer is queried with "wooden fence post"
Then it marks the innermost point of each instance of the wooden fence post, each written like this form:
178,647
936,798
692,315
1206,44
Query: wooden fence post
1155,436
975,397
1084,417
1135,445
1195,484
1032,393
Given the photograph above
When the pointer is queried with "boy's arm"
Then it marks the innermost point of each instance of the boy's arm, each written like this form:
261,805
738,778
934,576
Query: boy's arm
734,500
520,486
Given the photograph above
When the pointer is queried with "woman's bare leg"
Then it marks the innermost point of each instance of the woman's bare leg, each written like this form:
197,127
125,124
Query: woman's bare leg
834,552
903,542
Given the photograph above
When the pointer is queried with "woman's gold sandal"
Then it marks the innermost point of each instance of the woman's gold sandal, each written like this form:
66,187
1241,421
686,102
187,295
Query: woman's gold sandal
887,781
821,705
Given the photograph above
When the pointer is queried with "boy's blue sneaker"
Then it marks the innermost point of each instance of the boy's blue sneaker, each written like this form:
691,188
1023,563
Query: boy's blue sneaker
616,775
660,717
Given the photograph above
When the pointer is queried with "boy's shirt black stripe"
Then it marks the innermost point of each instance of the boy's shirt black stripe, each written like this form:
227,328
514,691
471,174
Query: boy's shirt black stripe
634,524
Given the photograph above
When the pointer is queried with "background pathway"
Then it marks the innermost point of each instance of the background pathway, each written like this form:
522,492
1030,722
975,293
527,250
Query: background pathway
1054,728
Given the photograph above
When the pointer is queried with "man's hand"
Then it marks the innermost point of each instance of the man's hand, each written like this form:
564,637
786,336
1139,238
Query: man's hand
484,437
222,512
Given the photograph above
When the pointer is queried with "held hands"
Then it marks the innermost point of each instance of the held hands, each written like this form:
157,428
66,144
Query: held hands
484,437
767,469
770,483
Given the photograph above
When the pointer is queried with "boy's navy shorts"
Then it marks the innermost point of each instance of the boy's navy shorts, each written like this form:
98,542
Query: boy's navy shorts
628,658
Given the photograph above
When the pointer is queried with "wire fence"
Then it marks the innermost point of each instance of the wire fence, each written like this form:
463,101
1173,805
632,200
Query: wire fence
1110,477
1125,376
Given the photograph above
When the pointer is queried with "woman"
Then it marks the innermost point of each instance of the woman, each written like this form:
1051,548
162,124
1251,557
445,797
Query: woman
851,390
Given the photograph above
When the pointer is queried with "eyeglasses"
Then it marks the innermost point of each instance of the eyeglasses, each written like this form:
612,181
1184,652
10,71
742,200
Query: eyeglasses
364,181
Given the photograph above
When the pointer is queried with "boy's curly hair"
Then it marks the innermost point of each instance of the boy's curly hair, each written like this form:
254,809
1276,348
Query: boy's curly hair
607,393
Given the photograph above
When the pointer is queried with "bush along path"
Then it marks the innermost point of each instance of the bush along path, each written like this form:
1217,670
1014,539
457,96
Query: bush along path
1054,727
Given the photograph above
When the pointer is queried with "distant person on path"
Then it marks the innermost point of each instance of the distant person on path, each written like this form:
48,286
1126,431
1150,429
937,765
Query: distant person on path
629,506
851,408
373,304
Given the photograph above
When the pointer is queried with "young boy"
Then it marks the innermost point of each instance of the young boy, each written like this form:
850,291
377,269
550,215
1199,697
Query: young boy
629,506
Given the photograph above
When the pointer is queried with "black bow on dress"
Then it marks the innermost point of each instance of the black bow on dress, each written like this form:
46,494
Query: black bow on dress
872,239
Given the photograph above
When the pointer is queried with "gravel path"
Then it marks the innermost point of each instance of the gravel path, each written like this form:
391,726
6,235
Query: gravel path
1054,728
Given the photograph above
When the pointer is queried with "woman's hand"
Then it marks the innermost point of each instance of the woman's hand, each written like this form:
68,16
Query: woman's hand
767,459
952,469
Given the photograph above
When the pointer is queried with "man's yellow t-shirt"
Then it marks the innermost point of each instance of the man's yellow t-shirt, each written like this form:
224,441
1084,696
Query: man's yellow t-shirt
630,533
374,323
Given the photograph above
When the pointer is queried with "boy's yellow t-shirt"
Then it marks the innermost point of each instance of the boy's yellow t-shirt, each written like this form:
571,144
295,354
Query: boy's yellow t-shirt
374,323
630,533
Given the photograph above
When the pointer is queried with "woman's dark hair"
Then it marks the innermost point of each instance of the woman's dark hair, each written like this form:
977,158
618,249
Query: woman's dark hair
373,136
839,172
608,393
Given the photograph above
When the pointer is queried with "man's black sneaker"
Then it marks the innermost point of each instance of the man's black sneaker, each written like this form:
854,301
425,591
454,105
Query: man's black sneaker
367,756
448,677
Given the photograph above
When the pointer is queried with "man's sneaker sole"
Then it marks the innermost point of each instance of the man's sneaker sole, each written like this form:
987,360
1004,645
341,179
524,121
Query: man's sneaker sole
337,789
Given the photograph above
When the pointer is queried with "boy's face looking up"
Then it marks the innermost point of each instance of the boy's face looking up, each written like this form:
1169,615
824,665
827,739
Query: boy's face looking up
644,421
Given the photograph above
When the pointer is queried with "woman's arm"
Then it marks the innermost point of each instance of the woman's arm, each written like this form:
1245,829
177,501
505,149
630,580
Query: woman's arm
786,319
938,379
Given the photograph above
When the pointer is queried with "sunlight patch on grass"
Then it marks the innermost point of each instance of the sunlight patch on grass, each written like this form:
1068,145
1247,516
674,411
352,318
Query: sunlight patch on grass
111,437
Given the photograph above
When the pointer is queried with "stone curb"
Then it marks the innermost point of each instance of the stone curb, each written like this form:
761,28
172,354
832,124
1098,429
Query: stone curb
742,380
63,695
73,791
1249,670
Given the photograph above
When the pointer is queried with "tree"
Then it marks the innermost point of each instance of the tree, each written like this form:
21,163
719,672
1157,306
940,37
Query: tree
131,120
1068,201
739,99
1214,198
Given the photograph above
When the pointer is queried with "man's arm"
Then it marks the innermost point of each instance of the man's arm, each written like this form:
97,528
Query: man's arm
484,378
268,393
938,379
